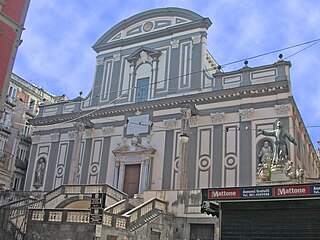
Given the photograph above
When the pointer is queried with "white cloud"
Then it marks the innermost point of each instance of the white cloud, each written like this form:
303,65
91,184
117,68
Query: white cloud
57,55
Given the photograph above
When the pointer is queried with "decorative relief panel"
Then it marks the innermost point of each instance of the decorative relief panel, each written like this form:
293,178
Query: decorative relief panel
283,109
54,136
217,118
35,138
107,130
143,56
170,123
100,61
71,134
116,57
89,132
196,39
174,43
194,120
246,114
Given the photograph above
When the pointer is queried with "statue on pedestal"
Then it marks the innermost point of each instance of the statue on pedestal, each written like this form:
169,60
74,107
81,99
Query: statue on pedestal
300,175
39,173
265,157
265,153
289,170
280,148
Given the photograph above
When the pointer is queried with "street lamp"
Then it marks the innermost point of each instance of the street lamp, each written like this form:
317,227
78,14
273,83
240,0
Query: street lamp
184,137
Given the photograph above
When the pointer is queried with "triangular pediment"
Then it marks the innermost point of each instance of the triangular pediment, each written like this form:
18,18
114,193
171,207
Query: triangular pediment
133,149
149,22
141,51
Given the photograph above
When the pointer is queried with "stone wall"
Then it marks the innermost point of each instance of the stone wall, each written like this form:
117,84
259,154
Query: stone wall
54,231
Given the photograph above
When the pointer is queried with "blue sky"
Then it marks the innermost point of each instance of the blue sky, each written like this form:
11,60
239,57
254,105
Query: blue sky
56,52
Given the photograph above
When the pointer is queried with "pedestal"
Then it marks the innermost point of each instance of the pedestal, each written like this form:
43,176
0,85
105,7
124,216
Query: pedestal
277,174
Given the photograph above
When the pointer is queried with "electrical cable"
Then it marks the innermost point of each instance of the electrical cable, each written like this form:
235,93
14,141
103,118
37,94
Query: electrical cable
126,91
315,41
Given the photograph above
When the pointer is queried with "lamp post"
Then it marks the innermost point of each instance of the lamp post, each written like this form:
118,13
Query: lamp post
74,168
183,148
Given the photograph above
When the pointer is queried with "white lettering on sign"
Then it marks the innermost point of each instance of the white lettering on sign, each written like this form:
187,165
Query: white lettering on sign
217,194
290,191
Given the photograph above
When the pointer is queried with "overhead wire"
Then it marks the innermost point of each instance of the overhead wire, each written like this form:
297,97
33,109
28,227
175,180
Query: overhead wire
314,42
126,91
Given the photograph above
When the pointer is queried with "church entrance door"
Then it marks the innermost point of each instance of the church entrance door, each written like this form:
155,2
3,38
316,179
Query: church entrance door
131,179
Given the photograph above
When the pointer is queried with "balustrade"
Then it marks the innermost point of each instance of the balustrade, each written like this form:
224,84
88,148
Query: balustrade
53,194
37,215
93,189
55,216
134,216
160,205
78,216
117,207
72,189
146,209
121,223
107,219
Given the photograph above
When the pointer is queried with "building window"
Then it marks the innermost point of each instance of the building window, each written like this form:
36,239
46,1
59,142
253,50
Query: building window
2,143
22,154
32,105
26,129
16,183
12,94
142,90
6,120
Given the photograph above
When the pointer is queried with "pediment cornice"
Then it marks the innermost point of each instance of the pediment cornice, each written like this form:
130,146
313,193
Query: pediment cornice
133,149
160,104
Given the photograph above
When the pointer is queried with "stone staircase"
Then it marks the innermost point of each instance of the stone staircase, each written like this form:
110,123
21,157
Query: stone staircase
120,214
14,220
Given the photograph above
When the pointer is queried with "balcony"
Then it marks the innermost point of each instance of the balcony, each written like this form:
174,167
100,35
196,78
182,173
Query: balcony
25,138
5,128
5,160
11,101
31,112
21,164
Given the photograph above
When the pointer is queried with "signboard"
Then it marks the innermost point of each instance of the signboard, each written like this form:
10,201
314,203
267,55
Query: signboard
96,218
98,200
279,191
96,208
292,191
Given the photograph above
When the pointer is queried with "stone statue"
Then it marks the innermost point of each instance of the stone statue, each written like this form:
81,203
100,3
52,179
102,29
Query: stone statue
263,172
289,170
39,173
280,148
265,153
300,175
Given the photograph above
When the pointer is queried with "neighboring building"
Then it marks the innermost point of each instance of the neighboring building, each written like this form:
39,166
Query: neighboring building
161,121
12,17
22,104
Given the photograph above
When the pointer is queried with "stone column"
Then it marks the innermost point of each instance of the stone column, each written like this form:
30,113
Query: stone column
144,175
75,159
132,77
183,149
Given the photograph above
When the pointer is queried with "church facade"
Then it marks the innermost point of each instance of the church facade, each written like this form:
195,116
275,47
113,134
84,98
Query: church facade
161,122
155,82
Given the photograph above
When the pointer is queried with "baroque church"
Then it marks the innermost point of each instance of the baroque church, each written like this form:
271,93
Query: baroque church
162,121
